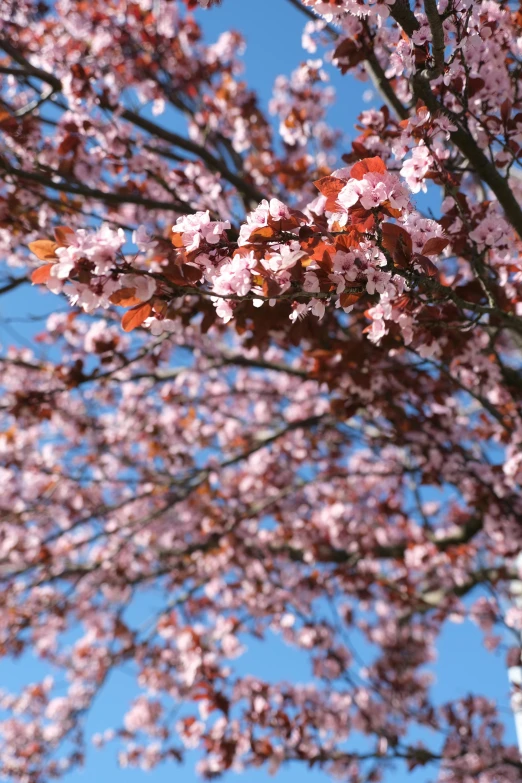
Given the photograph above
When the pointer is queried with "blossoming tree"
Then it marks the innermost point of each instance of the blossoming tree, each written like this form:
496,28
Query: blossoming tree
278,394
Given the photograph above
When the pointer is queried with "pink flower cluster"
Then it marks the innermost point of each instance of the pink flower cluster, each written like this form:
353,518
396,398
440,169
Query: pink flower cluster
198,228
373,190
267,249
99,248
259,218
415,168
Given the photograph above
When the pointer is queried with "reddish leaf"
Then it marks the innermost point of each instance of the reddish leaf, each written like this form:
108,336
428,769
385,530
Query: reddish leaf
63,234
427,266
42,274
394,236
362,220
135,317
336,227
182,275
402,303
349,53
8,123
345,49
159,307
271,288
266,232
192,274
318,251
330,187
175,276
69,143
434,246
125,297
505,110
471,291
44,249
475,85
348,241
325,263
360,151
348,298
209,320
366,166
390,211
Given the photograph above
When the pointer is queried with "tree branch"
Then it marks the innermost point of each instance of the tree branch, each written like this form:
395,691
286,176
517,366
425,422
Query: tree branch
14,283
372,64
95,193
214,163
462,138
437,35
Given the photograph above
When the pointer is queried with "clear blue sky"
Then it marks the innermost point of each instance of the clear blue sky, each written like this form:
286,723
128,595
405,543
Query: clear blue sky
273,32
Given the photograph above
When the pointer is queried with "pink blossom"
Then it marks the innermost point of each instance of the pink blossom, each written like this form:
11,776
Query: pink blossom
414,169
311,282
198,227
274,209
372,190
143,240
144,285
143,716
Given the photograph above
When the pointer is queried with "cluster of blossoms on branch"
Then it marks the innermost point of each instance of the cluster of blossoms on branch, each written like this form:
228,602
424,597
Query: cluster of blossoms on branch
359,240
306,428
360,235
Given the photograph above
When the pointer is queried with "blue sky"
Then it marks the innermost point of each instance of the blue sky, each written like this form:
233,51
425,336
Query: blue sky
272,29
